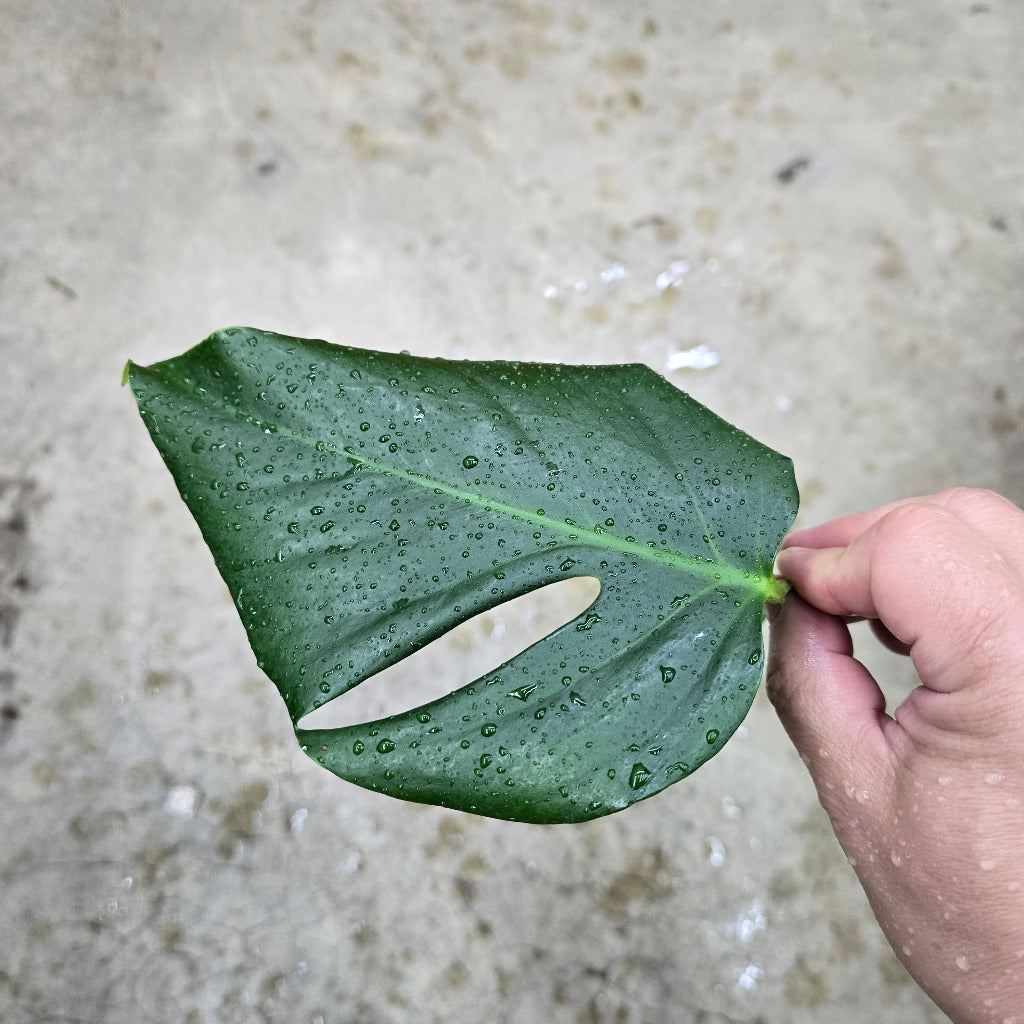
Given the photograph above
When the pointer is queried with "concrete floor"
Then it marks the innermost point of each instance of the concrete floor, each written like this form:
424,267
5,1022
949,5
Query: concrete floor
829,198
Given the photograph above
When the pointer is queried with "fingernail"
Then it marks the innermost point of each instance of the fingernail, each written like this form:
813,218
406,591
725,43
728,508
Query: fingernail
771,611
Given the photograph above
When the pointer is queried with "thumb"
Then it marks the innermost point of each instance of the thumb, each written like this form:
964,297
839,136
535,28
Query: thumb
829,704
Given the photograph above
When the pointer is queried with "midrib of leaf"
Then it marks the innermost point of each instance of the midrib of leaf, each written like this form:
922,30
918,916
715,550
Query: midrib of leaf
722,573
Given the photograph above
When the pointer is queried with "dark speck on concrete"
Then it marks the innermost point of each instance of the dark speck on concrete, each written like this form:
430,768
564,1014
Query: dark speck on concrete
9,714
790,171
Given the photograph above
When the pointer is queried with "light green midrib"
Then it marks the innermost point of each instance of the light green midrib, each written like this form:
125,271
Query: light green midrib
722,573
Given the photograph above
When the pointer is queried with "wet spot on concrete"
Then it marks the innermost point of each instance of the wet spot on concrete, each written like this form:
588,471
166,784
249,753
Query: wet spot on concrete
1004,422
894,974
356,66
95,824
665,229
465,889
890,263
705,220
804,986
783,60
646,879
625,64
364,934
811,491
474,863
171,935
47,773
81,697
366,144
847,941
9,615
156,681
240,816
449,837
456,974
274,986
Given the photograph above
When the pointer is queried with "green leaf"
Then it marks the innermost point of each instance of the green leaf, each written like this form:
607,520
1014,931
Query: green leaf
361,504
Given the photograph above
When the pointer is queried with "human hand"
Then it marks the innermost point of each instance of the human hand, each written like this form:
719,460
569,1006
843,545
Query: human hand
927,804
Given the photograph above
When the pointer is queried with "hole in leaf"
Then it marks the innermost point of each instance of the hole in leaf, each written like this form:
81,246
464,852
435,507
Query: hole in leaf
472,649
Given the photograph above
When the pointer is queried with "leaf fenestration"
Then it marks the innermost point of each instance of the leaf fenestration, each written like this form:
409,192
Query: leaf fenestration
361,504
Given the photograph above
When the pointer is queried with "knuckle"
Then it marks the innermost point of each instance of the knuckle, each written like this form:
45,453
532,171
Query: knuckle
982,632
967,501
910,522
908,541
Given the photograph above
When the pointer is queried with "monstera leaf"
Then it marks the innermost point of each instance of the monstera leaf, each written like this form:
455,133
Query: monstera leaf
360,504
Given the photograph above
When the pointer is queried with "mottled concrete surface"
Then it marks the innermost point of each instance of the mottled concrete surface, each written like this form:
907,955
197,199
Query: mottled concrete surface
827,197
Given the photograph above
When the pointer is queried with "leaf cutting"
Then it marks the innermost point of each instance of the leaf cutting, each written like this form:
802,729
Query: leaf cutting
360,504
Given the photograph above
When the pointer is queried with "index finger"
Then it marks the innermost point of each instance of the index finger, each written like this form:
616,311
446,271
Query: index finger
993,516
939,585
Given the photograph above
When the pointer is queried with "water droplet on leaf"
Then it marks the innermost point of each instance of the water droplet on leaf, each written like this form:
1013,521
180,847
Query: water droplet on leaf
523,692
